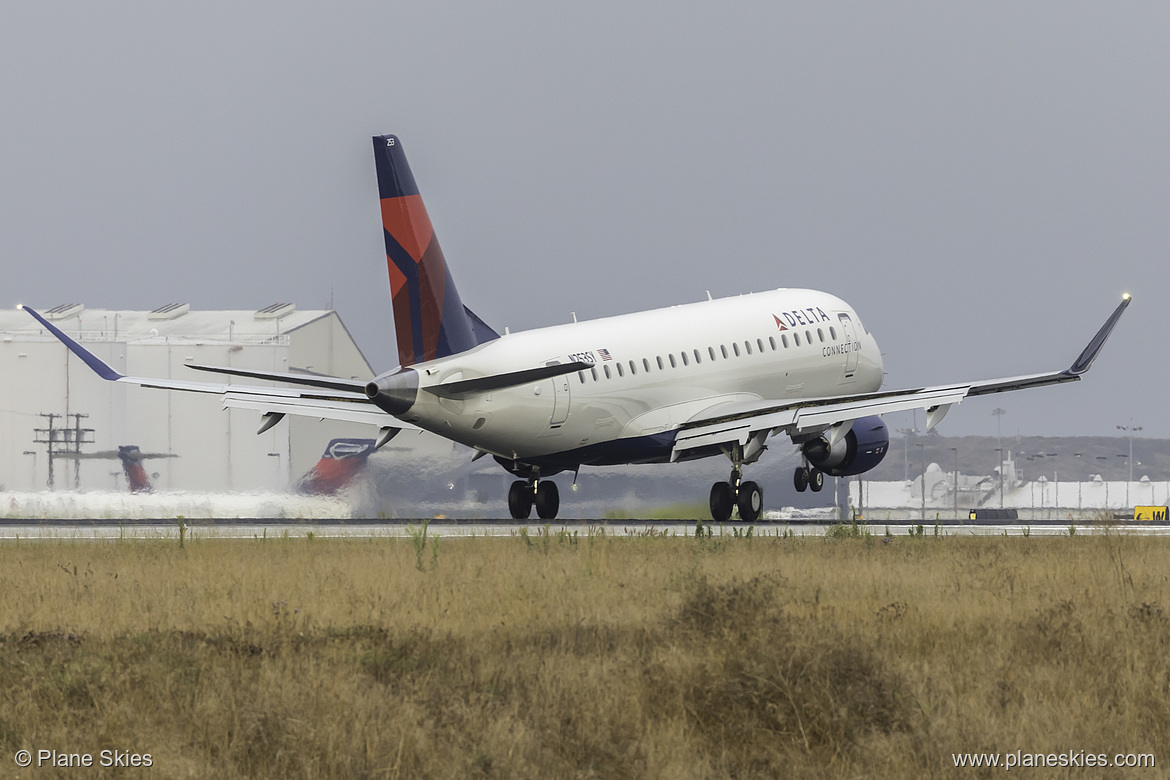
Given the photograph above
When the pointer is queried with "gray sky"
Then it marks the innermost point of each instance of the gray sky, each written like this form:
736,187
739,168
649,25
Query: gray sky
981,181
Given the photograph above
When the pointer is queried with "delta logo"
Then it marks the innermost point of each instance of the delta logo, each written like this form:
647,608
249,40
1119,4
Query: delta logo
809,316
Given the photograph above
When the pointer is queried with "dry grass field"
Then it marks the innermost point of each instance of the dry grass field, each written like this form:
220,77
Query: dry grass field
586,655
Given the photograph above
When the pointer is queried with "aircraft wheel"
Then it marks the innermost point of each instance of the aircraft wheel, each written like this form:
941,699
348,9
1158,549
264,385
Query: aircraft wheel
751,502
800,479
816,480
520,500
548,500
721,505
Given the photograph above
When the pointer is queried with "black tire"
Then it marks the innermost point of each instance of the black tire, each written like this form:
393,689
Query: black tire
800,479
548,500
721,505
520,500
816,480
750,502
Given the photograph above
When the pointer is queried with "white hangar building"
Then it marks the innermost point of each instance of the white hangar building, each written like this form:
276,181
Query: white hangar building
216,449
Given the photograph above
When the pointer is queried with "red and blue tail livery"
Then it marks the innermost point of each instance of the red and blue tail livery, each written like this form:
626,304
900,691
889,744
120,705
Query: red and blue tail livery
342,461
430,319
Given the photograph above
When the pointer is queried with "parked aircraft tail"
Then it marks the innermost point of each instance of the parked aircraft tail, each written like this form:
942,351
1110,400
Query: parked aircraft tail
342,461
430,320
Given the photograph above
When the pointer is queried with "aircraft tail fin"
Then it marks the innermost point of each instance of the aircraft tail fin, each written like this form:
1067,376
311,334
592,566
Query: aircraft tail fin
134,469
430,320
342,461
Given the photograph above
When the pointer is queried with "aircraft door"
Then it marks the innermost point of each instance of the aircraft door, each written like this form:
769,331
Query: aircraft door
850,345
560,411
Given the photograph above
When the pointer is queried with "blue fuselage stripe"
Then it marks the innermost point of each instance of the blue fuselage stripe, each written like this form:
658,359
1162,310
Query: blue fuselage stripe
653,448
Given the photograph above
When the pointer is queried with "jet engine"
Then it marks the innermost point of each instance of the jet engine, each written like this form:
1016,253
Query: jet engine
858,451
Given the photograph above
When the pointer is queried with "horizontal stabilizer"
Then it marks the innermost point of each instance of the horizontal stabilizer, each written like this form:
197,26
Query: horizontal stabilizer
312,380
486,384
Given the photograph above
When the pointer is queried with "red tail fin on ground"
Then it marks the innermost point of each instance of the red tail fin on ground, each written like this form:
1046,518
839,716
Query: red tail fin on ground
342,461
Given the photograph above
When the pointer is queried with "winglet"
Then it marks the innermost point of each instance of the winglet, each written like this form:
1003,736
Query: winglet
1086,358
93,361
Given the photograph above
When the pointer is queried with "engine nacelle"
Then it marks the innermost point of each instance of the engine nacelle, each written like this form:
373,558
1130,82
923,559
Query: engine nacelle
394,392
856,453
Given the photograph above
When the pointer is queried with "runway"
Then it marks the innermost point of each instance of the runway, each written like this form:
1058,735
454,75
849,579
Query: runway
111,530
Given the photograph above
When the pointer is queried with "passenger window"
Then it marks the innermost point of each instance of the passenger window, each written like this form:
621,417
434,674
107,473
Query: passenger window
735,349
672,363
723,349
784,340
660,366
748,346
772,342
683,355
633,368
698,358
607,374
581,377
594,372
821,335
711,352
796,339
832,333
620,372
808,336
646,364
760,344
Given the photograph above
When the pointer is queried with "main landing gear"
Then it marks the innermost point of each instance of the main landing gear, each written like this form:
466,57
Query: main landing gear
746,496
808,477
525,493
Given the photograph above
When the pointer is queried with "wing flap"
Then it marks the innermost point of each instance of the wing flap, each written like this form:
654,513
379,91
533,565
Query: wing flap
344,410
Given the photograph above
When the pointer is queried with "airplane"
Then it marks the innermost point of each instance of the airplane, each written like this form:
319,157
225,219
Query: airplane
714,378
131,457
339,465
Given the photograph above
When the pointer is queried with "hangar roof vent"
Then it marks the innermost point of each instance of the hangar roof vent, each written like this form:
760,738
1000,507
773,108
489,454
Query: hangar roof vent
169,312
276,311
64,311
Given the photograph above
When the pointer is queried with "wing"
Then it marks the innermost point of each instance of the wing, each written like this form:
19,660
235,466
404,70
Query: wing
323,397
738,423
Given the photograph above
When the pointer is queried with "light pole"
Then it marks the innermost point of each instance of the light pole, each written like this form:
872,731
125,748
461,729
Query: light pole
922,453
956,451
906,434
1056,481
279,475
998,413
1000,451
33,483
1080,482
1130,430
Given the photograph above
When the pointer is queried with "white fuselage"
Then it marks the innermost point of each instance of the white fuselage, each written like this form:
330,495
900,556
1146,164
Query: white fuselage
653,371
